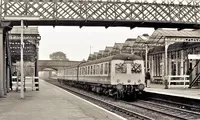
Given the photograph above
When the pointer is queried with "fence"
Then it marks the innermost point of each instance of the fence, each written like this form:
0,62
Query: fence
178,81
30,82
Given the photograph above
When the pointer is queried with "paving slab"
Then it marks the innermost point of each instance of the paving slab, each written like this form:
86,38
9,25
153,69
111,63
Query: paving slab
51,103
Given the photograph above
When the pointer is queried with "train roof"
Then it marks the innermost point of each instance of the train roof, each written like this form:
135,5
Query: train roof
122,56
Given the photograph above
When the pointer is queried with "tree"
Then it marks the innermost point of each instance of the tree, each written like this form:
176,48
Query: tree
58,56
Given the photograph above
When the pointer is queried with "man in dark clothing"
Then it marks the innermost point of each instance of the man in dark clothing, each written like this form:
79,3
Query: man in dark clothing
147,78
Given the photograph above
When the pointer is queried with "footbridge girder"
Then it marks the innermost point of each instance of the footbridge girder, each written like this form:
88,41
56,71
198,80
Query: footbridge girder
104,13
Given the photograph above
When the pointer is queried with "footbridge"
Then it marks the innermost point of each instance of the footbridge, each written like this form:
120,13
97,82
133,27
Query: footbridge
165,14
55,64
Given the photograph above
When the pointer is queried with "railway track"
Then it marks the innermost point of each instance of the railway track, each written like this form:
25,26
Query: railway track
174,112
113,107
177,104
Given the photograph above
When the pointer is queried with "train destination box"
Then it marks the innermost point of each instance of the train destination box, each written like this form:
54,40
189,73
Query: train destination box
193,56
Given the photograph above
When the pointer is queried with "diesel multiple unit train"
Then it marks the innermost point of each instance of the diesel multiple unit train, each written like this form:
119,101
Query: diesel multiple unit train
120,76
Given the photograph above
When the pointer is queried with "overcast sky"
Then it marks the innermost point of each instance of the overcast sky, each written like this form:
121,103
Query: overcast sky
76,42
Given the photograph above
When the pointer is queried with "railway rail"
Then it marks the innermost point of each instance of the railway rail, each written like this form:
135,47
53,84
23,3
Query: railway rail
177,104
127,113
174,112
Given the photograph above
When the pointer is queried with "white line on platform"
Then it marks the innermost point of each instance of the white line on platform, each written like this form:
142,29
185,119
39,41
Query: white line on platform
88,102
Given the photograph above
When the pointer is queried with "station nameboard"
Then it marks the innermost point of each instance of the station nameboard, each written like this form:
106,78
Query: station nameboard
193,56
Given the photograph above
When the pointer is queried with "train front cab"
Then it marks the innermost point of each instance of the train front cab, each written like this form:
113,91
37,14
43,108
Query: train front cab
128,77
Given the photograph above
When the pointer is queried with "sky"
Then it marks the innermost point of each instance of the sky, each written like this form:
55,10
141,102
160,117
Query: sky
77,42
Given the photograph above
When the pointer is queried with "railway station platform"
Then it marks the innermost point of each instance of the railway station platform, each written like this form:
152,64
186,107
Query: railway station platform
192,93
51,103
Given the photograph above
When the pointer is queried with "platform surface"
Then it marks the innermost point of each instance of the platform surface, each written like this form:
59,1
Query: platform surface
50,103
193,93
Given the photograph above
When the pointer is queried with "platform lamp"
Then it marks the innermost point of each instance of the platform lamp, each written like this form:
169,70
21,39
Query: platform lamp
21,19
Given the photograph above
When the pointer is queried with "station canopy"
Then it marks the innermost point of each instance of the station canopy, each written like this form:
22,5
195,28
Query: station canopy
90,57
117,48
176,39
155,42
160,36
140,42
127,46
31,40
107,51
100,54
94,55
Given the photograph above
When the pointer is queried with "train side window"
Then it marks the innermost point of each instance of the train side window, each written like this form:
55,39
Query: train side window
101,71
109,65
91,70
94,70
97,69
88,70
106,68
83,70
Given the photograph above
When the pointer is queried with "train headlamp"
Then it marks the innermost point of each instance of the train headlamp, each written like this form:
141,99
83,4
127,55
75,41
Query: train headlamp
128,81
119,86
139,81
141,86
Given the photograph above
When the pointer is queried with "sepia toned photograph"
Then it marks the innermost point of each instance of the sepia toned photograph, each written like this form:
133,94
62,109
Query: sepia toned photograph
99,60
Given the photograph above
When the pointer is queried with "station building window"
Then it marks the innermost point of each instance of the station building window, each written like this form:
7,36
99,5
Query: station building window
154,63
179,68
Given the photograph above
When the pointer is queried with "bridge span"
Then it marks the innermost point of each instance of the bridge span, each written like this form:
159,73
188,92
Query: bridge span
55,64
184,14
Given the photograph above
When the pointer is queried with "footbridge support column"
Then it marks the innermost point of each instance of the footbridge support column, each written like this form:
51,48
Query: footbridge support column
165,64
36,70
2,69
4,27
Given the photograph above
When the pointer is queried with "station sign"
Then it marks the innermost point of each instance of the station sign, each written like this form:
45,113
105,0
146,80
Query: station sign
193,56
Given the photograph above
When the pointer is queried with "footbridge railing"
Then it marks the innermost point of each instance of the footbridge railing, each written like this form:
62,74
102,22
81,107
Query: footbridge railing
105,13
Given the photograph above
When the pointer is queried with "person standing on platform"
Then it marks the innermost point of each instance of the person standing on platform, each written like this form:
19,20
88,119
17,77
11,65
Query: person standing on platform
147,78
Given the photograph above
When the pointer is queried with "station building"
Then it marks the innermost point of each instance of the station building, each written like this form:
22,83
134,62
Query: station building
184,42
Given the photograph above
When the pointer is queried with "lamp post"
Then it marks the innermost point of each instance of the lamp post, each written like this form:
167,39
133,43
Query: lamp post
22,60
21,19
